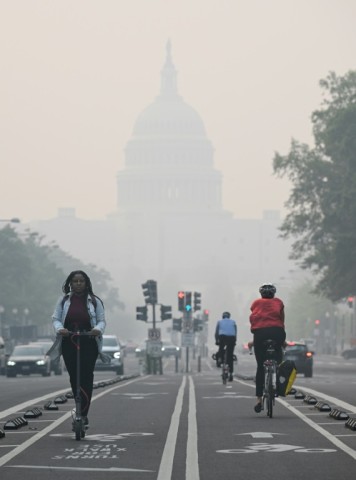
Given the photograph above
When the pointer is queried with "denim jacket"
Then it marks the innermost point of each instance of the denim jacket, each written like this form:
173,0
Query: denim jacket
97,321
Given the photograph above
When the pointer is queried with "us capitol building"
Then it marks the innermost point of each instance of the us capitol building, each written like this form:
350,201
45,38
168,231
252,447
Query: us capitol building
170,224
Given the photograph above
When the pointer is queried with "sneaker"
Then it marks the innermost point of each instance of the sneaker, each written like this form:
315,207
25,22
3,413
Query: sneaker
258,407
86,422
231,377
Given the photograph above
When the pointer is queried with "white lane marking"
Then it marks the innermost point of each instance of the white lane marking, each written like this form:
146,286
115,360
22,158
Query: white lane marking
192,464
80,469
166,465
16,451
326,434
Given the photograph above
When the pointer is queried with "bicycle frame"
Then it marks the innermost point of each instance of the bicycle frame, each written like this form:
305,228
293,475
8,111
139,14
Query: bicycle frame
225,367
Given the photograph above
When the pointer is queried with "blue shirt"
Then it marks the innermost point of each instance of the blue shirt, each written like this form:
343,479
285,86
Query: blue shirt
226,326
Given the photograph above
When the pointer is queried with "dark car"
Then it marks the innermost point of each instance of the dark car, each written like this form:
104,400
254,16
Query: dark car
169,349
349,353
56,364
301,356
27,359
111,347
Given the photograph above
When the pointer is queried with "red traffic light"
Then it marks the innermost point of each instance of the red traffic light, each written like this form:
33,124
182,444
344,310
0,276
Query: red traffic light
181,294
317,322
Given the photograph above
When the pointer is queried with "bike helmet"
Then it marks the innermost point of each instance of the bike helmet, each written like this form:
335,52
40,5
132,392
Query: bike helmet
267,290
226,315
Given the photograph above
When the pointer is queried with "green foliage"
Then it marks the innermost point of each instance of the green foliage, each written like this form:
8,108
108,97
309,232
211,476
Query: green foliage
322,205
32,275
300,321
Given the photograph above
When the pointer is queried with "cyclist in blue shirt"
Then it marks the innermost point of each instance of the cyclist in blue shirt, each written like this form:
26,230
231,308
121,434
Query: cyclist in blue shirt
226,334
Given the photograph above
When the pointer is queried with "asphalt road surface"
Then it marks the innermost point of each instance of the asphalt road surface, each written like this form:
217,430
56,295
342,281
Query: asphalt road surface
182,425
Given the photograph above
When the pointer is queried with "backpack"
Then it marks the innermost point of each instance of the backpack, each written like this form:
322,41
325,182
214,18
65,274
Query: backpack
93,299
285,377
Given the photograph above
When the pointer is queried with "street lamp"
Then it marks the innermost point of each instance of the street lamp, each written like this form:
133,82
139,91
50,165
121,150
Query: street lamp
2,310
10,220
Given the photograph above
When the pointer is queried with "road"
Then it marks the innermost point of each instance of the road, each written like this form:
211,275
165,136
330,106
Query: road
182,426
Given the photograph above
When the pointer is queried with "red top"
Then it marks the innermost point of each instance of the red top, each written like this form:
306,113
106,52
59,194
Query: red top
267,312
77,317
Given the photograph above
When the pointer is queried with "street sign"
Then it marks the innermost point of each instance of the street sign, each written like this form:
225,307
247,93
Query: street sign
154,348
187,339
154,334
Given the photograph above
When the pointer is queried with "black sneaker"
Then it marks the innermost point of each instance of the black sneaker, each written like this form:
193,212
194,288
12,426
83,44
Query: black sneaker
231,377
258,407
86,422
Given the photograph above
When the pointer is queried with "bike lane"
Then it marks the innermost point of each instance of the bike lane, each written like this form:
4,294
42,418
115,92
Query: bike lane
129,427
234,441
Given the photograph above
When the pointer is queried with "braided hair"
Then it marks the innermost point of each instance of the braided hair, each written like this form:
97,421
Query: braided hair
66,284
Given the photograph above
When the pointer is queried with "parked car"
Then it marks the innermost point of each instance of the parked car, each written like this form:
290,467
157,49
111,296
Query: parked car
57,364
169,349
27,359
112,347
302,357
349,353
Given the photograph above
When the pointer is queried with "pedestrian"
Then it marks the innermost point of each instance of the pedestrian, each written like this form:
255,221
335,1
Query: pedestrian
79,310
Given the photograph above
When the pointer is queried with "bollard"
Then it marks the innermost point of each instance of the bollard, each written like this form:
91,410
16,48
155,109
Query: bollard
176,364
199,363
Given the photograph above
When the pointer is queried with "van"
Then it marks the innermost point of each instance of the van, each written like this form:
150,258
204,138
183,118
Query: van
2,357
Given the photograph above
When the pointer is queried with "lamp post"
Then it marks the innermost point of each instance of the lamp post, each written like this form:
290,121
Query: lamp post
2,310
10,220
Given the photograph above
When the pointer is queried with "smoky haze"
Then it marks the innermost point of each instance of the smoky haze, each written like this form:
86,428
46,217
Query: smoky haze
75,77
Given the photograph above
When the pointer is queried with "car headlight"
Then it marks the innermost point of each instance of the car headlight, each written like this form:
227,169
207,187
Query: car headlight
163,349
177,348
40,362
117,355
11,363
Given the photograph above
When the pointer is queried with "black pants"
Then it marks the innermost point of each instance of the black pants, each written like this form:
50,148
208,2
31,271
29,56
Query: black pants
88,356
230,346
277,334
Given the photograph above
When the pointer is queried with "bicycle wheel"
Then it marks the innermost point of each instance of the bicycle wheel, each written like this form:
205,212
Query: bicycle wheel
270,395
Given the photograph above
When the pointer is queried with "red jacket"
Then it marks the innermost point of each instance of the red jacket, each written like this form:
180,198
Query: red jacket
267,312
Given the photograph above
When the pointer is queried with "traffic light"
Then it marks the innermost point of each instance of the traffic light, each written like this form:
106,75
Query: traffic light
166,312
206,315
177,324
350,302
141,313
188,301
181,301
150,292
197,301
317,322
198,324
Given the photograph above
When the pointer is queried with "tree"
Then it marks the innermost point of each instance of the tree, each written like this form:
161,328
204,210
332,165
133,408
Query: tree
322,204
32,274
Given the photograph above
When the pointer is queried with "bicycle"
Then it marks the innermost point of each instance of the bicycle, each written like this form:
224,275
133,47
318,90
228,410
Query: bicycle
270,377
224,367
78,422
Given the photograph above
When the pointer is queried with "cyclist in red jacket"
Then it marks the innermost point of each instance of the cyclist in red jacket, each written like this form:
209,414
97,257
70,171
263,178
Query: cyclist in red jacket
267,322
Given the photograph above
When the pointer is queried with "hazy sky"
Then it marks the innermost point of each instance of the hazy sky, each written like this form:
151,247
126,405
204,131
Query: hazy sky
75,74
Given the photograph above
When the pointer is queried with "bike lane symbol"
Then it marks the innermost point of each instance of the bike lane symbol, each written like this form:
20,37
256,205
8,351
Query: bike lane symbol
275,448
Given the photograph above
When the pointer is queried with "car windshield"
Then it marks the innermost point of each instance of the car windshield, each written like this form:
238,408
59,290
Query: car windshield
25,350
110,342
295,348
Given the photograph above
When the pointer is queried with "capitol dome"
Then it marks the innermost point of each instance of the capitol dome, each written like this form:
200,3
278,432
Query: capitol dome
169,115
